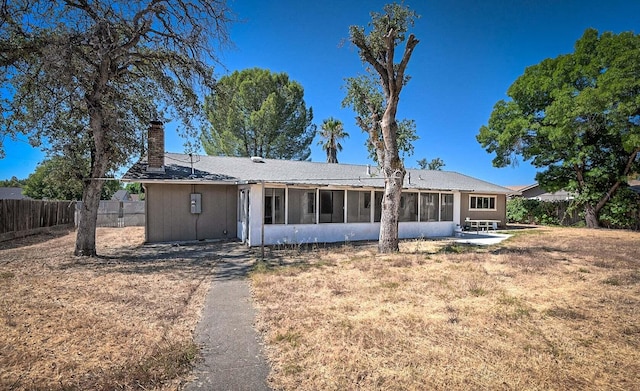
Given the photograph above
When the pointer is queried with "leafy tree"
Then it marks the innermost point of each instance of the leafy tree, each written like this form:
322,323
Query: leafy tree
135,188
367,100
331,132
89,76
13,182
578,117
434,164
58,178
377,49
258,113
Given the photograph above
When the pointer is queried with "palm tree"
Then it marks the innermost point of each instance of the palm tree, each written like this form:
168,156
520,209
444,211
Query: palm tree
331,131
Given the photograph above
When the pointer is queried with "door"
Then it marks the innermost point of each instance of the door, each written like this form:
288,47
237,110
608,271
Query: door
244,215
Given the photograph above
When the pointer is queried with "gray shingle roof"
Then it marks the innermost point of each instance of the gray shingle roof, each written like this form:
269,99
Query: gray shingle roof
222,169
12,193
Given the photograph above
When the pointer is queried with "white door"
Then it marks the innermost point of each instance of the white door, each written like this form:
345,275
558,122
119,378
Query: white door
244,214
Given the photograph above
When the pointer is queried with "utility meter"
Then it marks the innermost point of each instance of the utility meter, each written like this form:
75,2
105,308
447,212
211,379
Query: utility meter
196,203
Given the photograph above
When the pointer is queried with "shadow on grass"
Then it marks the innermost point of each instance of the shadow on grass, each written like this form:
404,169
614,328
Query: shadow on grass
223,260
40,237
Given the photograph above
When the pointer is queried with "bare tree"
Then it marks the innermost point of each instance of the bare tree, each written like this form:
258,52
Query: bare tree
89,76
377,49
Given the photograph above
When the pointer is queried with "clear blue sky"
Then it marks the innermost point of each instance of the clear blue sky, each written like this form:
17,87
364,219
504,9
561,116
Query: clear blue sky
469,53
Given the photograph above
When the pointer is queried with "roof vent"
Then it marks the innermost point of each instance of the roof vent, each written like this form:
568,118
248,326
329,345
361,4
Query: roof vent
257,159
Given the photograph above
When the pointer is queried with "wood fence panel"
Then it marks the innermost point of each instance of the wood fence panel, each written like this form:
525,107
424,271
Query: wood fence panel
20,217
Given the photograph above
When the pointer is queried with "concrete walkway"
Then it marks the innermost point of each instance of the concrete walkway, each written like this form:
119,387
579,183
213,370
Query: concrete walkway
231,348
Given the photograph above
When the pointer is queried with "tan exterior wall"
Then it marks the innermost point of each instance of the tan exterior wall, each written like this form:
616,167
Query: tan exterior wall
169,216
499,214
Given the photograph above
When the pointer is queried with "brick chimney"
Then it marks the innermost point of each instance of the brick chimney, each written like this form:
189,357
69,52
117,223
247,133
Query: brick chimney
155,152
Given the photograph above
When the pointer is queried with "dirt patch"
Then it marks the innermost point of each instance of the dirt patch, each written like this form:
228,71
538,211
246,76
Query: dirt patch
123,320
552,309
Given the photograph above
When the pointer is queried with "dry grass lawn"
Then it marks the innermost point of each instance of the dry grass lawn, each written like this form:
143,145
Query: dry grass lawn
549,309
124,320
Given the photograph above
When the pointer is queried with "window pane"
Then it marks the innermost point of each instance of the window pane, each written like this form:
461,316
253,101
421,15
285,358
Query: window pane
408,207
446,211
358,206
331,206
492,203
273,206
473,203
302,209
429,207
377,203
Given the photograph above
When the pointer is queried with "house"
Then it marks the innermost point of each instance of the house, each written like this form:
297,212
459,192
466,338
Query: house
121,195
12,193
267,201
535,192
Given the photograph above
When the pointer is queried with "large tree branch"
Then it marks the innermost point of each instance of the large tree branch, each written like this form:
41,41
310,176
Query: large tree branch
408,51
630,161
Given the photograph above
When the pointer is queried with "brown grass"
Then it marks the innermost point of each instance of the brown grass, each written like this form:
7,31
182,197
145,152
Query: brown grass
124,320
550,309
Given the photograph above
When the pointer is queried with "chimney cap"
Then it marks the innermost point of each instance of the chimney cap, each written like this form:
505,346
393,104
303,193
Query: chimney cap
156,122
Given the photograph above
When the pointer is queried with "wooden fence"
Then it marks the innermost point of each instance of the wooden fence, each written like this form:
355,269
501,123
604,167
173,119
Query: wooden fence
26,217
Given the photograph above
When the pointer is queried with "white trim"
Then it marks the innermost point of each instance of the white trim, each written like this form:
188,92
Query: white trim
476,209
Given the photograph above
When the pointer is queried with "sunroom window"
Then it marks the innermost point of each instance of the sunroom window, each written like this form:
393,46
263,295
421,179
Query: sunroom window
302,206
358,206
332,206
446,208
429,206
274,206
408,207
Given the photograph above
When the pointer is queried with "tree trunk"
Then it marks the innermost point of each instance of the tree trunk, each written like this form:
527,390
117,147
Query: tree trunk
86,237
388,242
591,216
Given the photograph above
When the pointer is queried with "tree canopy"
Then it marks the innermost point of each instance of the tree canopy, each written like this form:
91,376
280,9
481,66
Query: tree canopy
331,132
255,112
376,47
87,77
57,178
577,117
434,164
364,95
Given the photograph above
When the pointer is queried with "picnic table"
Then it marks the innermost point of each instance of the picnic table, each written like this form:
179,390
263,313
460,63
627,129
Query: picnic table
481,225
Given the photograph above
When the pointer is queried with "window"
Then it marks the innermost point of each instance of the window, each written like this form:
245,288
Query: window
377,206
302,206
429,206
408,207
482,203
446,208
358,206
332,206
273,206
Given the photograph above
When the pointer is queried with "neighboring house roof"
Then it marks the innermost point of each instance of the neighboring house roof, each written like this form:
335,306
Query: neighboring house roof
635,186
121,195
12,193
241,170
534,191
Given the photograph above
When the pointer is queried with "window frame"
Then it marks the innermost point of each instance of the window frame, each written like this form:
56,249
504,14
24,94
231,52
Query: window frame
473,206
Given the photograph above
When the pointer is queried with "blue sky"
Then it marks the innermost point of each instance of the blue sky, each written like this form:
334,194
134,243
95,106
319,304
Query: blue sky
470,52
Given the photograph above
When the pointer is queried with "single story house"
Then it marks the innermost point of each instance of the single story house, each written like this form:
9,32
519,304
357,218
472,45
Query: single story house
121,195
267,201
535,192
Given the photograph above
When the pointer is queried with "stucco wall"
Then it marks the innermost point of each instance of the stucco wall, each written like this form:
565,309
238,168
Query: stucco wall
499,214
169,216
